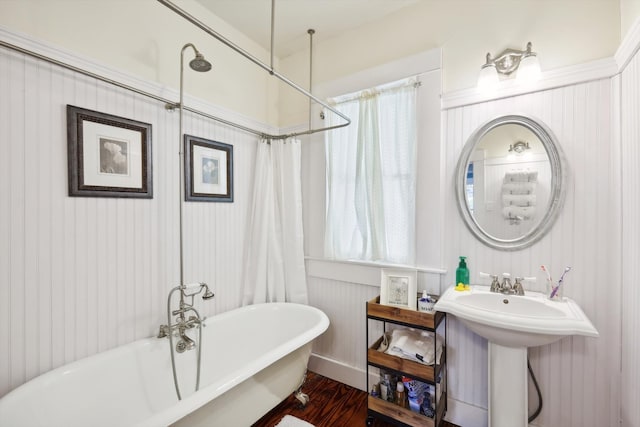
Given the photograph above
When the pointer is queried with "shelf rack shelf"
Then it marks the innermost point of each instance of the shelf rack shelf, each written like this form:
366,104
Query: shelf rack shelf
378,408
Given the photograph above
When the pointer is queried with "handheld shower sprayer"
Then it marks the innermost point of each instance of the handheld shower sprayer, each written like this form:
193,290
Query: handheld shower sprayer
207,293
203,288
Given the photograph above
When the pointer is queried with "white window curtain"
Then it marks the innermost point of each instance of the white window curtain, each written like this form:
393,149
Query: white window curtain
370,188
274,260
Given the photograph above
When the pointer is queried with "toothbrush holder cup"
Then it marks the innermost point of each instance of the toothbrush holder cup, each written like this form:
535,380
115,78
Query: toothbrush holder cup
555,292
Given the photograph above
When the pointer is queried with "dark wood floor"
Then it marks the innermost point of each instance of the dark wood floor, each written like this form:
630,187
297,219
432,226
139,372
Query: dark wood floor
332,404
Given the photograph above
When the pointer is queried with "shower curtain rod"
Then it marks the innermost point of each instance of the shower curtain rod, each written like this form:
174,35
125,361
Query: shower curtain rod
170,105
264,66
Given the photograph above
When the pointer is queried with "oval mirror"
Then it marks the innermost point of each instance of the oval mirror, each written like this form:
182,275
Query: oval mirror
510,182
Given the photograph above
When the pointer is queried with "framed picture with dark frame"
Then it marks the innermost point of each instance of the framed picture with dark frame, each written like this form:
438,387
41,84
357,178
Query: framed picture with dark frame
208,168
108,156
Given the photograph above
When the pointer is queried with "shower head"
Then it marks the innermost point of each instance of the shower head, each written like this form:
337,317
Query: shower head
199,63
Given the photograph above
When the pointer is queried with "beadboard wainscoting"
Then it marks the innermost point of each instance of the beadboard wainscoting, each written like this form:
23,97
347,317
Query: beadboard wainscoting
82,275
579,377
629,90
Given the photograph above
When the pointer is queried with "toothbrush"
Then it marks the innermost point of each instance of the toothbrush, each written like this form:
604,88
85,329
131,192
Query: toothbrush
543,268
555,289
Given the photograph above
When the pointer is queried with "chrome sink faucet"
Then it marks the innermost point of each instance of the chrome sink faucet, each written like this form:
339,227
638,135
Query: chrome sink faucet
506,287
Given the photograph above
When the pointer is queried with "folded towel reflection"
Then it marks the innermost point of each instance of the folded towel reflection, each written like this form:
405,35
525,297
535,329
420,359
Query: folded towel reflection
521,176
519,213
519,188
415,345
522,200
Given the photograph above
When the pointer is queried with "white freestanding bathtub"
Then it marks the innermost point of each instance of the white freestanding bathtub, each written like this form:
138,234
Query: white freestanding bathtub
252,359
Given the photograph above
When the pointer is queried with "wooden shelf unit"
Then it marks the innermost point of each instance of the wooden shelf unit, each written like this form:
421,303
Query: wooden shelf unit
388,411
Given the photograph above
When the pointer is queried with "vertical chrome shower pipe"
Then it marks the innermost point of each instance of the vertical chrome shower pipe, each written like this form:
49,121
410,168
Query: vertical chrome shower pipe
181,157
273,19
311,32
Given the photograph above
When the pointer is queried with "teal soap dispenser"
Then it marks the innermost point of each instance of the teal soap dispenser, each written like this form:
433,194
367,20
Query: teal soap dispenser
462,275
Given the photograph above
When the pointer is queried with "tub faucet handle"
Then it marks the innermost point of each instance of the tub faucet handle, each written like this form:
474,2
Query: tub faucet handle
163,332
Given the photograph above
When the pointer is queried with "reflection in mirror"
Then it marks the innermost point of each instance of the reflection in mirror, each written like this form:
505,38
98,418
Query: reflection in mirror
509,182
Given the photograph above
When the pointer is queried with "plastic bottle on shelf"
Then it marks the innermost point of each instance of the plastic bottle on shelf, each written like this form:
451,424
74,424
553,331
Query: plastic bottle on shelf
401,396
375,390
386,390
425,407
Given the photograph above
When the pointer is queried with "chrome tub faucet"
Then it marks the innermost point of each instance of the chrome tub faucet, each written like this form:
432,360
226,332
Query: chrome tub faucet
179,328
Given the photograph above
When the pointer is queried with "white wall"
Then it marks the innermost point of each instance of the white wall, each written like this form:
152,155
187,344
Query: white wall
629,88
629,12
82,275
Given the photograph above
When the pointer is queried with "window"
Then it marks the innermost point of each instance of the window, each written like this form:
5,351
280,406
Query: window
371,170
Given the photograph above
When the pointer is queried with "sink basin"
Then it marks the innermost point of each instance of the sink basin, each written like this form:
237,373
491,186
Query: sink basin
516,321
511,324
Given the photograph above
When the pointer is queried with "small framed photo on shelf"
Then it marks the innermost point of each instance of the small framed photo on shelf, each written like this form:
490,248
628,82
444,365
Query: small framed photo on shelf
108,156
208,168
398,288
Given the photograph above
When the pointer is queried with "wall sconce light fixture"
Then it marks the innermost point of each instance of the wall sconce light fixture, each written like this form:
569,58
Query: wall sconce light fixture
519,147
507,62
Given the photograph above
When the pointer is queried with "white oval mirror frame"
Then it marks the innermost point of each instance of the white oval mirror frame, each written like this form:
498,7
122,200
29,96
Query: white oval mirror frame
556,186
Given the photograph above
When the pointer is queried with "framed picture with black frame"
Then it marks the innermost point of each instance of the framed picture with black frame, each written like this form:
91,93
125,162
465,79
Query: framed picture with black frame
208,168
108,156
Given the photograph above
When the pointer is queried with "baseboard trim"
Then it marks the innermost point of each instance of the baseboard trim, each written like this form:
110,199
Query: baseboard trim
464,414
338,371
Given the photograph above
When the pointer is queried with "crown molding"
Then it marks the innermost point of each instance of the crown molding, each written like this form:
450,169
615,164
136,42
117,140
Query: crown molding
629,46
594,70
56,53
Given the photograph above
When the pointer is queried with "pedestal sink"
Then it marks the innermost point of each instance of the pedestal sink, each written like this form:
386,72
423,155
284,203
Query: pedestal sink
511,324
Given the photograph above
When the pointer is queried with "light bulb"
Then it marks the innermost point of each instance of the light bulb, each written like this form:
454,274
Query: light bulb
488,78
529,69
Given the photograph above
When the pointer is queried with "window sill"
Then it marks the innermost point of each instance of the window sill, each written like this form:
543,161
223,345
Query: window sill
356,271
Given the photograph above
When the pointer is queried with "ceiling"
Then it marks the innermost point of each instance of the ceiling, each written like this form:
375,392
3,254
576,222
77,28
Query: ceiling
293,18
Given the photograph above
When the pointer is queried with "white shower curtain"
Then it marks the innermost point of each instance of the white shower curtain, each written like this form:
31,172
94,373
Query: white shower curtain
274,260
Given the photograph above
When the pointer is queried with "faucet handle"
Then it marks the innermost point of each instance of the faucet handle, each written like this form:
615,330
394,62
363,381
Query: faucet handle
518,289
164,331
